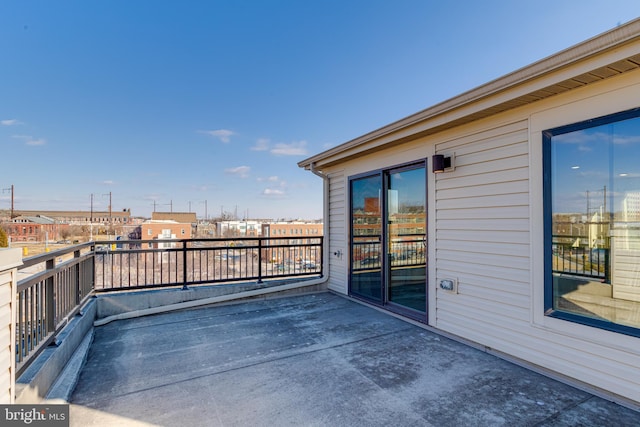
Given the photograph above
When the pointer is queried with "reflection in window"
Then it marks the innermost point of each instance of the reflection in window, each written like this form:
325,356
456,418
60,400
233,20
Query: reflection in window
592,193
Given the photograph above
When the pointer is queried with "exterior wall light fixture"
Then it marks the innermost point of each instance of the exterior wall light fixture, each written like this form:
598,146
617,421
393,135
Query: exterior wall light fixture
442,163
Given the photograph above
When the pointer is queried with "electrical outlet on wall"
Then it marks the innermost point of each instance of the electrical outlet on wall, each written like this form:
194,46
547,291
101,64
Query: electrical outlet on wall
449,285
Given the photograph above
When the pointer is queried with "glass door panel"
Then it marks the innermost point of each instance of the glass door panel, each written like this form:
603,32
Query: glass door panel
406,238
366,237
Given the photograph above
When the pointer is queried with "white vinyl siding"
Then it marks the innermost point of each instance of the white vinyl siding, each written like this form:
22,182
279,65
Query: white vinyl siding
6,336
486,229
625,269
482,230
8,286
483,238
338,233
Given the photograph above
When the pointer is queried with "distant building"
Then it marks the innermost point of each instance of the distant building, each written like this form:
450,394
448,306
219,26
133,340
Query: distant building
238,228
292,233
292,229
183,217
165,229
84,217
631,207
33,229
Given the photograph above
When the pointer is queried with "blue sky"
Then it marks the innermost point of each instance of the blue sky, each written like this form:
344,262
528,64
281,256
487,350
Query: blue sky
182,102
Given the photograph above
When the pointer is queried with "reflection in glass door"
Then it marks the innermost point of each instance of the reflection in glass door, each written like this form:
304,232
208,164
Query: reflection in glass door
406,238
366,237
388,238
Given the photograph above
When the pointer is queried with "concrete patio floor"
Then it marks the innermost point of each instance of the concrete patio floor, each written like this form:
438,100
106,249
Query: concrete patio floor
312,360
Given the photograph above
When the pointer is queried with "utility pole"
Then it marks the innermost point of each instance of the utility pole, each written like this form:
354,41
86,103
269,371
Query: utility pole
110,217
4,190
91,220
206,216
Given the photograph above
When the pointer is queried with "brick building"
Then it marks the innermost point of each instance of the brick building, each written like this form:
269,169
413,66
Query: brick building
165,229
292,229
33,229
84,217
293,233
182,217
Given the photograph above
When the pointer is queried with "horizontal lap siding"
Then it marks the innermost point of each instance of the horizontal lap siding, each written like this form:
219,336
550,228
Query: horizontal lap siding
337,232
624,269
7,289
483,237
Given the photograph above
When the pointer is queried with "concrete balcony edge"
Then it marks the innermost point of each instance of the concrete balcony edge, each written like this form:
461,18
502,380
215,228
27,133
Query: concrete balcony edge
34,384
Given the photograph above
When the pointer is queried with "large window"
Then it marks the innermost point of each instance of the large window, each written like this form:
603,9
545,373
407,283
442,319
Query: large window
592,222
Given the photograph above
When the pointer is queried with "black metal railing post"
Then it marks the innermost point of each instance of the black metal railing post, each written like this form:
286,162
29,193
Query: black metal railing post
184,265
321,257
607,268
50,297
78,278
259,260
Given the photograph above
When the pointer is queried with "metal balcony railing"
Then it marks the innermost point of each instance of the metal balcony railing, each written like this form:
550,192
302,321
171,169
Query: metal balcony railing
580,260
53,287
404,251
139,264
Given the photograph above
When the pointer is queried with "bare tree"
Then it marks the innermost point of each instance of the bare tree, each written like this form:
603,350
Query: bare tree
4,240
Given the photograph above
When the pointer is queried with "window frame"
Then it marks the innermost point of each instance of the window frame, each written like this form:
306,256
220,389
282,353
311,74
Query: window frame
547,135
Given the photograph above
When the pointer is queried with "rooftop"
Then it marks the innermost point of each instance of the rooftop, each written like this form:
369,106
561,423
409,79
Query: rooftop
317,359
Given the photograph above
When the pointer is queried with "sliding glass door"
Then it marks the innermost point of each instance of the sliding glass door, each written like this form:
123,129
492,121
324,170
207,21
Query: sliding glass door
388,238
366,237
406,225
